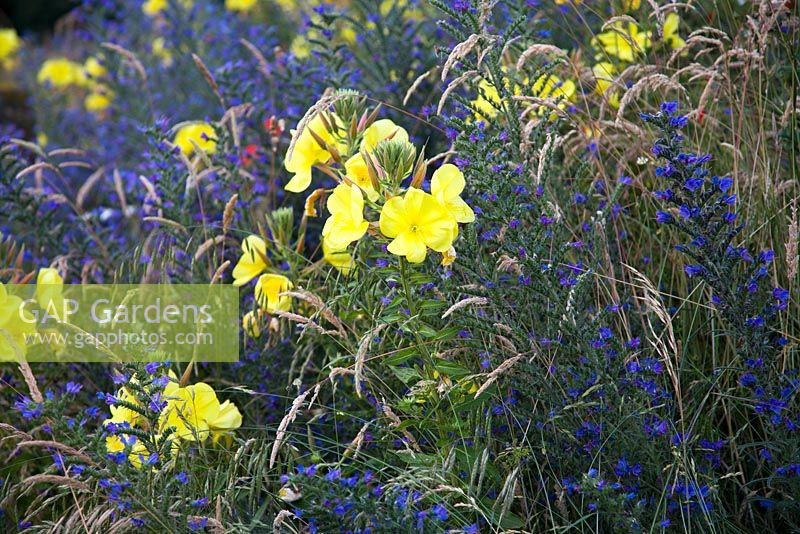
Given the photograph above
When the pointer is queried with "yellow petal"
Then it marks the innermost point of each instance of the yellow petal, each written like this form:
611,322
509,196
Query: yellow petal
229,417
268,290
251,264
410,245
447,181
381,130
392,217
300,181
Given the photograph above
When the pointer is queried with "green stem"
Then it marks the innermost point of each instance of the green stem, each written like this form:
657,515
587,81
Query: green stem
412,312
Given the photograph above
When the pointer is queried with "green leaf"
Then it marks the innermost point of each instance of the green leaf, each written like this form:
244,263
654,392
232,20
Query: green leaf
405,374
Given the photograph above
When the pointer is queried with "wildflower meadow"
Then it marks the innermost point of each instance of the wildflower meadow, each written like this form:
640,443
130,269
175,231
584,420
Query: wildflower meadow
395,266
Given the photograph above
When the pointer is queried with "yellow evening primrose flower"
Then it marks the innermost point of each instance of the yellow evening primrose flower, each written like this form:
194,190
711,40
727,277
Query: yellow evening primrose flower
151,8
550,86
49,287
671,37
94,68
189,409
631,5
16,325
228,420
300,47
253,260
9,45
160,50
306,153
61,72
250,324
139,454
447,184
201,133
123,414
239,5
416,222
356,172
605,74
381,131
487,100
96,102
268,292
623,40
449,256
346,223
340,259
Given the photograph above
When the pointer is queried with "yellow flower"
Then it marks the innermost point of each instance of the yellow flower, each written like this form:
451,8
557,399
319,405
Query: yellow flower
447,184
307,153
96,102
189,410
631,5
239,5
268,292
340,259
123,414
624,41
16,324
546,86
61,72
605,74
300,47
228,420
250,324
549,86
49,287
9,45
381,131
449,257
160,50
417,221
253,261
487,99
356,171
346,223
139,454
41,139
201,133
151,8
671,37
94,68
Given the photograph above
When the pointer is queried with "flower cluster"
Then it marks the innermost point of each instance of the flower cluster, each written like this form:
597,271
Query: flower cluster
159,414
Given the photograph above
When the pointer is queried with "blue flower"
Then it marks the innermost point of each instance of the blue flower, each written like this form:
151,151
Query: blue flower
663,217
669,107
693,270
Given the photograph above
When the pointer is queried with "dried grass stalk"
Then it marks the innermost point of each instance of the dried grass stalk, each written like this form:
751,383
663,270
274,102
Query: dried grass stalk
452,86
477,301
458,52
492,377
361,356
297,404
539,49
414,86
130,56
664,344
